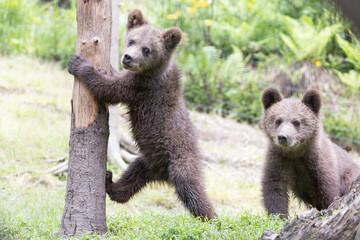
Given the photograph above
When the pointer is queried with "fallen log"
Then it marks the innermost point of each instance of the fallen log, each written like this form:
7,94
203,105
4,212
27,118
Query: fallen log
340,221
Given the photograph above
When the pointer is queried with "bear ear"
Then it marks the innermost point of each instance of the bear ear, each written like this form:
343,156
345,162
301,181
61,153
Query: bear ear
312,99
135,19
172,37
270,96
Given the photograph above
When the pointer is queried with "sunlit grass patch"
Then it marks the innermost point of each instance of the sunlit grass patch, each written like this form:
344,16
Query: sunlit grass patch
179,226
35,110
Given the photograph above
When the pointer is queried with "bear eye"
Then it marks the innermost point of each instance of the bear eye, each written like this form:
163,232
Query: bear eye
131,42
146,51
278,122
296,123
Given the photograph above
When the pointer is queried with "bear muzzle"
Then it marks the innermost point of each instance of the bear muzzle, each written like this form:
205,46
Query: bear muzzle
126,59
282,139
128,62
286,141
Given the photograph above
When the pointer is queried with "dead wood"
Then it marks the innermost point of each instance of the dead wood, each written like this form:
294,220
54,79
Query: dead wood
340,221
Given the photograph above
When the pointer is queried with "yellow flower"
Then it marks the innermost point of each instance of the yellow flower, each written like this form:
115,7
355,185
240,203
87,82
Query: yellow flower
192,1
173,16
36,19
191,9
207,23
202,3
250,6
318,64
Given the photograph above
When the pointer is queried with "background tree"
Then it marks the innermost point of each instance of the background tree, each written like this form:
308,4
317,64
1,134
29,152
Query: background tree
350,9
121,149
84,210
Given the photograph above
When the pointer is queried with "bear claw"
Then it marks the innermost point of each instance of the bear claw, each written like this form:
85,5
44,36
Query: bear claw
102,71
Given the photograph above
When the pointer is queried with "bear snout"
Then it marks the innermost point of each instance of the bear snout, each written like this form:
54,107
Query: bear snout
283,139
127,62
127,59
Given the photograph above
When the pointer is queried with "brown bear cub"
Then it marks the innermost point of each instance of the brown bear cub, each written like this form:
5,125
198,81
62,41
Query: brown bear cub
150,87
300,156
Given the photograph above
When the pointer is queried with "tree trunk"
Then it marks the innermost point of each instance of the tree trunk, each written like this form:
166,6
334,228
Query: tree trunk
125,154
114,151
84,210
351,10
341,221
114,53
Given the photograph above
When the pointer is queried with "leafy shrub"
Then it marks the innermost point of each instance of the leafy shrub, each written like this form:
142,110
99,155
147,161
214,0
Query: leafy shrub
226,49
45,31
306,41
352,52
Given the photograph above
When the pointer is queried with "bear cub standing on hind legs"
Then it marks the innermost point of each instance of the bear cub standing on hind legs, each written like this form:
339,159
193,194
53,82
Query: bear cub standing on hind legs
300,155
150,87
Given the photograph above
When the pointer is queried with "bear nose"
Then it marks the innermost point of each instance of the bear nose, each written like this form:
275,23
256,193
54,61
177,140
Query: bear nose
127,58
282,138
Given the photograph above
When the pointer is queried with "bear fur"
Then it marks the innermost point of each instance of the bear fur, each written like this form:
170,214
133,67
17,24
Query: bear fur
150,87
300,156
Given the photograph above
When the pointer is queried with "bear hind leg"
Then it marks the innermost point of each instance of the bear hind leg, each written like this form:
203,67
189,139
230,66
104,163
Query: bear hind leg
132,181
192,193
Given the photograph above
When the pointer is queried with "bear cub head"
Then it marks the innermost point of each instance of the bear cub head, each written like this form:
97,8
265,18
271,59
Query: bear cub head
147,49
291,123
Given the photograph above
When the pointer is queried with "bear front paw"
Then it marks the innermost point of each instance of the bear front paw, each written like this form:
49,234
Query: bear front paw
78,64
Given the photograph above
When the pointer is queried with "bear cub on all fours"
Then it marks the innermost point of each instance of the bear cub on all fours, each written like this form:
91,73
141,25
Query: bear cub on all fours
150,87
300,156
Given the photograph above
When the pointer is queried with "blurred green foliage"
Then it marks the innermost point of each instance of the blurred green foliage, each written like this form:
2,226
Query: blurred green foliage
306,41
42,30
227,52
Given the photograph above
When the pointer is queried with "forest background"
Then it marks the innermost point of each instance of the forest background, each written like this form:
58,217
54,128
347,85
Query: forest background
231,51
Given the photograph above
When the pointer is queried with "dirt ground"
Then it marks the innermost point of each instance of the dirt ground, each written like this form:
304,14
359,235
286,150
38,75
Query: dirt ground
226,142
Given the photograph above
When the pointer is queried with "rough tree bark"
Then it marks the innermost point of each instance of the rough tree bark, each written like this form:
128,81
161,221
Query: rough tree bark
341,221
84,210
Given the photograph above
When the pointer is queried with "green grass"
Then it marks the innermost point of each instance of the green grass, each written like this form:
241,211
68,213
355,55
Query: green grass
34,212
35,125
37,222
